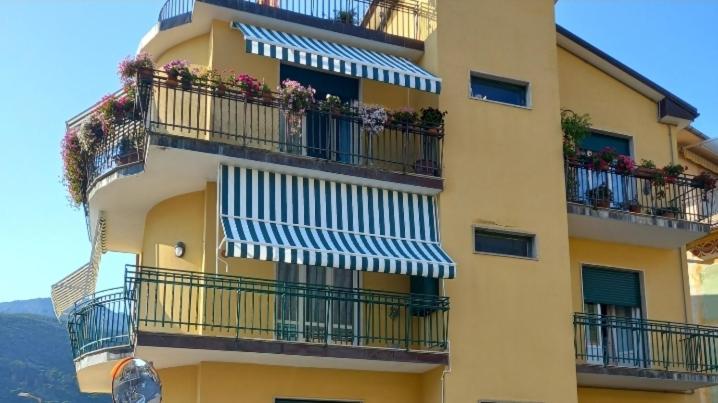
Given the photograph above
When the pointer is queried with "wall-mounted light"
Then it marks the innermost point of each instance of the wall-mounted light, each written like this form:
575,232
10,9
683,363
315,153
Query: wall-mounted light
179,249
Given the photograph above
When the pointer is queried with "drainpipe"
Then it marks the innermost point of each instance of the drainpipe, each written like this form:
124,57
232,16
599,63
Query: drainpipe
447,370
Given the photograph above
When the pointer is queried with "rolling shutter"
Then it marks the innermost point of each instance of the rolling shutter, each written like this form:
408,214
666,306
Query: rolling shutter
611,287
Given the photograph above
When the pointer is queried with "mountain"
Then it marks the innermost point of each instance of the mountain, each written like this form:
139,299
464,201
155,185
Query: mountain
37,306
35,357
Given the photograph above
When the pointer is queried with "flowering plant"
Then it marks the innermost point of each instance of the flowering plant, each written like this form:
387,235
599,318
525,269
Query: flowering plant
704,180
373,118
432,117
90,133
602,160
249,85
175,68
625,164
74,162
113,110
671,172
405,115
295,99
331,103
130,67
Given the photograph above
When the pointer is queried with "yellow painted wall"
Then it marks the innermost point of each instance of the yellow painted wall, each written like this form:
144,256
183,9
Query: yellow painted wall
196,51
230,383
180,384
614,107
663,277
493,176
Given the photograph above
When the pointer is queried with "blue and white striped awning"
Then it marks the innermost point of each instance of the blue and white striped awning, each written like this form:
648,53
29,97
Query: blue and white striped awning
337,58
287,218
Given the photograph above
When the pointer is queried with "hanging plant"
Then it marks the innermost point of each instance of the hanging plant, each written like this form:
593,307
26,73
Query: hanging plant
74,161
294,100
131,68
575,128
114,110
90,133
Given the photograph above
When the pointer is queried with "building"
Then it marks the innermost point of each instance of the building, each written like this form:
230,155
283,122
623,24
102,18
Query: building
298,253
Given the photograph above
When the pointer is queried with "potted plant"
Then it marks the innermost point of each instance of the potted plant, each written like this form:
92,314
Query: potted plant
267,94
405,116
295,99
174,69
633,205
600,196
704,180
575,128
432,120
139,67
671,211
646,170
331,104
75,166
602,160
625,165
346,16
671,172
114,110
90,133
249,86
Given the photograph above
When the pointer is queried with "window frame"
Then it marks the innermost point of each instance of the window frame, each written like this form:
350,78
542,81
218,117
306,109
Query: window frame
505,80
502,231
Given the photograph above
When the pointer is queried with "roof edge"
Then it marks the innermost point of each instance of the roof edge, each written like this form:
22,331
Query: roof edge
686,109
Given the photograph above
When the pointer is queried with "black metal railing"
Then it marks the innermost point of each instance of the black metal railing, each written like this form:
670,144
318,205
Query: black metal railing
640,343
172,301
101,321
223,305
382,19
201,111
639,191
174,13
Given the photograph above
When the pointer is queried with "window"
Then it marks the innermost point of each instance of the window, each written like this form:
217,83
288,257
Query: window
598,141
504,243
499,90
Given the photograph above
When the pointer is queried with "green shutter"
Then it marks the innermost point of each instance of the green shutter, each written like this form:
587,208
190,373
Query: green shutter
612,287
597,142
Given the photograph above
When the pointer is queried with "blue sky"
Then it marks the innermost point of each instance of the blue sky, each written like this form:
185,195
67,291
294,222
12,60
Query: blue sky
61,57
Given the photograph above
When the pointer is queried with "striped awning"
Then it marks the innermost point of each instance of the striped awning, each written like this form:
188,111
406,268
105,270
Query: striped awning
294,219
82,282
337,58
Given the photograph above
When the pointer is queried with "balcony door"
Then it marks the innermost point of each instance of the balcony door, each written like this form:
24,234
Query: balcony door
614,335
623,188
326,136
316,304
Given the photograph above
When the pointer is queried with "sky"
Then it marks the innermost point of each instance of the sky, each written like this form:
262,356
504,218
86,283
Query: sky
60,57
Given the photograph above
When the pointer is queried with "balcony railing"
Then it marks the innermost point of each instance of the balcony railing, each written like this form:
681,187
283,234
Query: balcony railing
377,19
181,302
639,192
101,321
640,343
228,116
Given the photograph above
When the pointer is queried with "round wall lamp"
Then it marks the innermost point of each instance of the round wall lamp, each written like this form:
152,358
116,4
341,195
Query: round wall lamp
179,249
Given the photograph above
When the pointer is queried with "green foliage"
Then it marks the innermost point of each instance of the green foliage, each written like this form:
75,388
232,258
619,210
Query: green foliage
575,128
35,357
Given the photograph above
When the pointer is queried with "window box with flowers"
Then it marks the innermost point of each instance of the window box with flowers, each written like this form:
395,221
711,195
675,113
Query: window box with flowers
176,70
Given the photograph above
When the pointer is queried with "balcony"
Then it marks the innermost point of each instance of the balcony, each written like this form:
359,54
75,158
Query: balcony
636,207
627,353
405,23
175,318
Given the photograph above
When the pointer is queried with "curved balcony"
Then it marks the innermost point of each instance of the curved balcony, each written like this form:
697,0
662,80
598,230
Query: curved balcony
177,318
228,116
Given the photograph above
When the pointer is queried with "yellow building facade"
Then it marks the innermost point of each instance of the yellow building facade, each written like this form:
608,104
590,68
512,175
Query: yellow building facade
312,259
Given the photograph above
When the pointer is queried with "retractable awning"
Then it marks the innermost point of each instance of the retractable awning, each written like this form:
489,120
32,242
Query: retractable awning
81,282
337,58
288,218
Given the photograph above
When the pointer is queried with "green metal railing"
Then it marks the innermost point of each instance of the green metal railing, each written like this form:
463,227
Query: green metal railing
250,308
101,321
640,343
174,301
